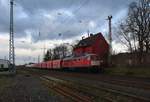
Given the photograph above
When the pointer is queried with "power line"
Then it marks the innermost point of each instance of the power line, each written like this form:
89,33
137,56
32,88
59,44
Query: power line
77,9
82,5
67,19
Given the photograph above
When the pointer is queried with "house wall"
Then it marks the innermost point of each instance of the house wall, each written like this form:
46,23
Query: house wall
100,47
78,51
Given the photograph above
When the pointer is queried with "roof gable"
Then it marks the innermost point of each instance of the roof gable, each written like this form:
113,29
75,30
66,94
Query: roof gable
89,41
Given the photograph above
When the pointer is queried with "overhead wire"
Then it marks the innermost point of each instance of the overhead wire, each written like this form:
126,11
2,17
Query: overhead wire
67,19
77,10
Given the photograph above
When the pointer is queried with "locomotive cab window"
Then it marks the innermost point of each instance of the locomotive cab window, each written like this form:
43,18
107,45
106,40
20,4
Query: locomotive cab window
94,58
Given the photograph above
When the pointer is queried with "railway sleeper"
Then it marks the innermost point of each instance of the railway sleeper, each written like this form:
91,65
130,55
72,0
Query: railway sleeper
113,88
68,91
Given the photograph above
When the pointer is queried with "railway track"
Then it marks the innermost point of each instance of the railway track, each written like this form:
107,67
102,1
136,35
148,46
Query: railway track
66,90
108,79
69,89
115,89
77,89
140,85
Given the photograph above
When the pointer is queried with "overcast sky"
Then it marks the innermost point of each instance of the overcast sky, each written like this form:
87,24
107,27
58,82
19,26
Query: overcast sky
70,18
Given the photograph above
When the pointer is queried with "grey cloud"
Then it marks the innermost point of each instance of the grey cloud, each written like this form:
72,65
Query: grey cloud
31,6
83,11
69,17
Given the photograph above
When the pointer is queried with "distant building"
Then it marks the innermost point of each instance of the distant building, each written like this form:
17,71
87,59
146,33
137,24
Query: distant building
94,44
4,65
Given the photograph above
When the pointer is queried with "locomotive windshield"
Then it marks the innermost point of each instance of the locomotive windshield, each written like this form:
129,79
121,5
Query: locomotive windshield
94,57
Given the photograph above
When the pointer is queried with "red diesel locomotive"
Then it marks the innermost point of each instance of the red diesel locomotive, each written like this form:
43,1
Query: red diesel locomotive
89,53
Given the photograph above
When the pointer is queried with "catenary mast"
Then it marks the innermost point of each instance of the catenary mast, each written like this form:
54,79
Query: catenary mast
110,39
11,39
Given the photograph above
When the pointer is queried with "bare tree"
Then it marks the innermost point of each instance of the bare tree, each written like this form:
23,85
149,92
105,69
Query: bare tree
139,23
125,37
60,51
136,27
48,55
55,53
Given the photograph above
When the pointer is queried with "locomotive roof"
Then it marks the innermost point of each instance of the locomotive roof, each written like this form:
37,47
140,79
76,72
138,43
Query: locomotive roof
89,41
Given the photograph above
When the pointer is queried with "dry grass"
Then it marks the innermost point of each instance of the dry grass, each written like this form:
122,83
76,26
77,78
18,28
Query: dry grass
138,72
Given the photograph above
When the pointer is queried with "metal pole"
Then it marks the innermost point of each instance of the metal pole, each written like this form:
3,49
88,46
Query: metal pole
44,48
110,39
11,41
38,58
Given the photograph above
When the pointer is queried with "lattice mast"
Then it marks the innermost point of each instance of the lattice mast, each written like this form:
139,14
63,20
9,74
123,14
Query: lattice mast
11,40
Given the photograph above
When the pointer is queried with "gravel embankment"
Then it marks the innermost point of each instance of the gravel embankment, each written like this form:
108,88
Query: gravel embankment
26,88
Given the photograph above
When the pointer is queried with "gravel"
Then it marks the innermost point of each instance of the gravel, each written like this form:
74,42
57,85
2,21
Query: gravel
27,88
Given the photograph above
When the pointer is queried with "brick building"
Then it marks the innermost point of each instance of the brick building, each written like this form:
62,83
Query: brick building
94,44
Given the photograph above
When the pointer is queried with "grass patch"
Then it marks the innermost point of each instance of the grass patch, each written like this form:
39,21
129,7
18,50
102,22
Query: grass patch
137,72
